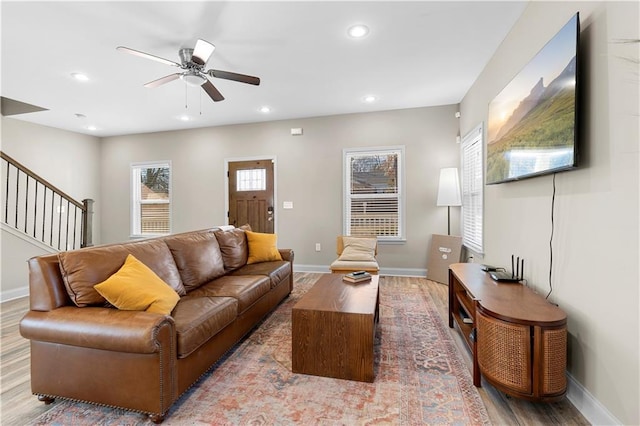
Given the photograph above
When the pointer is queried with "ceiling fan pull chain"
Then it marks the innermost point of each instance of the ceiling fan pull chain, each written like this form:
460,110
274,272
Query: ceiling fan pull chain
185,96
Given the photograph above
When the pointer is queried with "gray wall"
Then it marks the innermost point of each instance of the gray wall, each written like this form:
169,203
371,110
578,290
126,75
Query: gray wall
595,246
69,161
308,173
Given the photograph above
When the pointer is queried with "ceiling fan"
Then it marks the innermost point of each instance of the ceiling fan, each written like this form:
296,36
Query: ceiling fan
192,63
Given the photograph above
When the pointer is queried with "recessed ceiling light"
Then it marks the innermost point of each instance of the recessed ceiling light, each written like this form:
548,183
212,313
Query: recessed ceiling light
358,31
265,109
79,76
369,99
92,128
184,117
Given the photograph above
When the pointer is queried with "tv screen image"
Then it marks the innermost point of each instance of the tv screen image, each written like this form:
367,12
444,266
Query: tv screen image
532,122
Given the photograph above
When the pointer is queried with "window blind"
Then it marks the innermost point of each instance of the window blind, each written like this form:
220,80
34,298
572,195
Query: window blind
472,190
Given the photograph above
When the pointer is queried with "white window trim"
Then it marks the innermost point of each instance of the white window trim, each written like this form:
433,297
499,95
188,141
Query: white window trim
135,197
346,212
475,136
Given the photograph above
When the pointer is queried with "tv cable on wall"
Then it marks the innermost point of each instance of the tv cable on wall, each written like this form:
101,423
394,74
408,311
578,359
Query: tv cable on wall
553,202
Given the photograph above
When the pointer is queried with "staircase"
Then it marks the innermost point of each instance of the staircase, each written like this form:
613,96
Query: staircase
36,209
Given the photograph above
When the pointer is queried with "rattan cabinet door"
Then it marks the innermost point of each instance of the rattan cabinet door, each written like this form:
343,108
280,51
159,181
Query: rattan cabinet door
554,361
504,353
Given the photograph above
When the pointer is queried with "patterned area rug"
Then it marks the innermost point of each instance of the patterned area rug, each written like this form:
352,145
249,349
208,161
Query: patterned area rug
420,377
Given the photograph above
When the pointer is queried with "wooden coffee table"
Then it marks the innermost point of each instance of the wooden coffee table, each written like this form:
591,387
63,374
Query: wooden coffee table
333,327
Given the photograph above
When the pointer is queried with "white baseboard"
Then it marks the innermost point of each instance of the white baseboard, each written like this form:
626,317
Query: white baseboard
404,272
398,272
323,269
15,293
588,405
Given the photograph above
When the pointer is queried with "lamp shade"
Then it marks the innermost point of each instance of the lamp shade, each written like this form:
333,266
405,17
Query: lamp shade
449,188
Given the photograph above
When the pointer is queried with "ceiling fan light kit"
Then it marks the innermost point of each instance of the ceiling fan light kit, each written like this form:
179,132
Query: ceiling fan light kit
192,63
193,80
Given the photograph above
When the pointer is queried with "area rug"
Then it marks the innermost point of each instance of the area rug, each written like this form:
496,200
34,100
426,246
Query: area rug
420,377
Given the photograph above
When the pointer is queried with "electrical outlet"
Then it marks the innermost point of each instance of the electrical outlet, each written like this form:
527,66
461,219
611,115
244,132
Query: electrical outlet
318,247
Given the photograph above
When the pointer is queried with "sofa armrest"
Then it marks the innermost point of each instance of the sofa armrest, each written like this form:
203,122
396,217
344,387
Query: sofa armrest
286,254
100,328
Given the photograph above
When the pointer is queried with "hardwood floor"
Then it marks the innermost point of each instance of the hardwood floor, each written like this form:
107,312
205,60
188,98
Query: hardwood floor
503,409
19,407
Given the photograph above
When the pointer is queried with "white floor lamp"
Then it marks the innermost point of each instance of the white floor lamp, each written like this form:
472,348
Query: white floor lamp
449,192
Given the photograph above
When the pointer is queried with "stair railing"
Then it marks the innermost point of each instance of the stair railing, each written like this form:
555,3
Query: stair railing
35,207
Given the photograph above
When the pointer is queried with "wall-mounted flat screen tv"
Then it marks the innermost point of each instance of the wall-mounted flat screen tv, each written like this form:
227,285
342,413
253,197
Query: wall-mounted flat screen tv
532,122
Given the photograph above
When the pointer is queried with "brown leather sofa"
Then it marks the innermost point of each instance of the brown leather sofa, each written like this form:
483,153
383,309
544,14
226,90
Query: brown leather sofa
83,349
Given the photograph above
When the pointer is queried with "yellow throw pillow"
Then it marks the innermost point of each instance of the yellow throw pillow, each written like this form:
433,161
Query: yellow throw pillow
262,247
135,287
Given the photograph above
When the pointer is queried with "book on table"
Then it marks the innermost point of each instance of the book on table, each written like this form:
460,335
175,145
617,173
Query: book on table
356,277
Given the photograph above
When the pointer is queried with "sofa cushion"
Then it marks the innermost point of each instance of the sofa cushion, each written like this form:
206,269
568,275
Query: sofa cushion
276,271
262,247
233,245
198,319
197,256
135,287
84,268
245,289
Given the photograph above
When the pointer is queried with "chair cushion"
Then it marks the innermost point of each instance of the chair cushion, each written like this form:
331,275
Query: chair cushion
197,256
358,249
276,271
84,268
262,247
233,246
198,319
135,287
245,289
348,265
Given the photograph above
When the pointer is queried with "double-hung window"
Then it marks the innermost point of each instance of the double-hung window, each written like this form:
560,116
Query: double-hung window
374,193
472,189
151,198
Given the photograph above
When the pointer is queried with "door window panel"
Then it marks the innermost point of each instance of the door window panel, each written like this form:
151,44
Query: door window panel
251,180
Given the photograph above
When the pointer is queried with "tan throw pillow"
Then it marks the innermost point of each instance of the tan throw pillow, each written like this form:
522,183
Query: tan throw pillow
135,287
358,249
262,247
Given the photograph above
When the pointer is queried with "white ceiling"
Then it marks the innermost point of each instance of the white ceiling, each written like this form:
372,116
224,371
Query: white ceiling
419,53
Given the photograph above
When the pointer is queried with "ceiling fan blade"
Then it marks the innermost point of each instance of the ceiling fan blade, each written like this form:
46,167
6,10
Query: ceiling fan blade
163,80
148,56
202,52
235,77
212,91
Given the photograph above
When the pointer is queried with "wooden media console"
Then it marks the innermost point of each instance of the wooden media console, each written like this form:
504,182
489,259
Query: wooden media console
518,339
